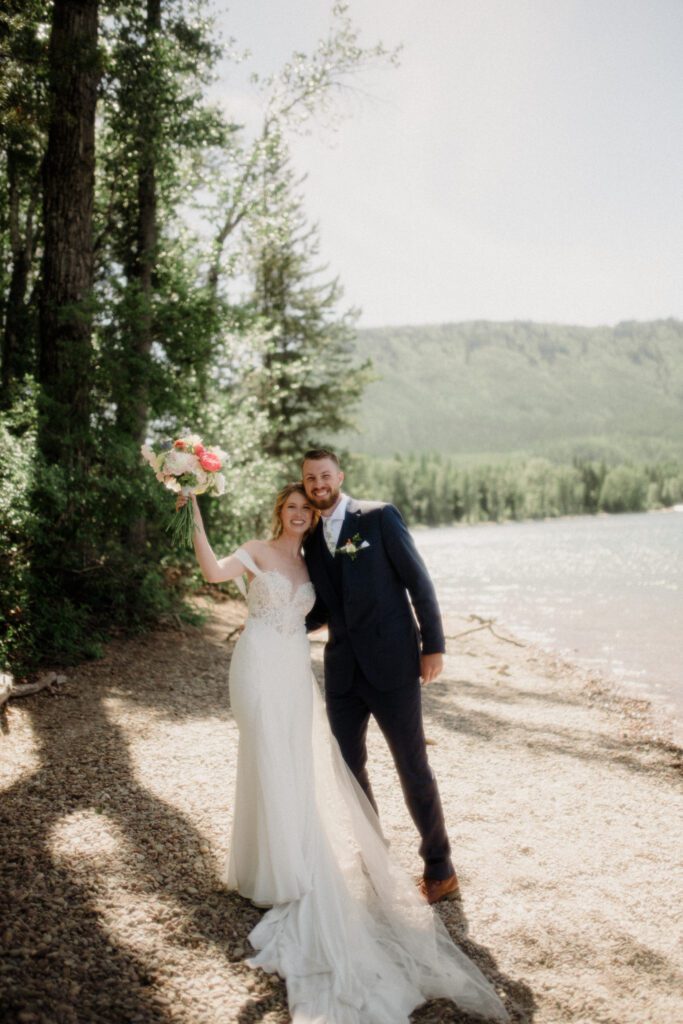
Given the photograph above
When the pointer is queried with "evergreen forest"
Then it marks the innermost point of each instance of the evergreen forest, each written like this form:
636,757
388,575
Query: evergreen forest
480,421
158,275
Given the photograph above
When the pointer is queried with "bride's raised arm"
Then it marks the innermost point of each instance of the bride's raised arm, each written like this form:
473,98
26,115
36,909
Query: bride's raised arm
213,569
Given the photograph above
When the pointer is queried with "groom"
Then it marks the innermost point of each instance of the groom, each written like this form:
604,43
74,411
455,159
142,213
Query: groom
364,564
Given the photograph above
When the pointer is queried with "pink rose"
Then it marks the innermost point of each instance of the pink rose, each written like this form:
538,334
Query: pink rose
210,462
179,444
199,449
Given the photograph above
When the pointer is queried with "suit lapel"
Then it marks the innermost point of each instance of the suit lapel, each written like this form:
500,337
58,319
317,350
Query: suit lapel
350,524
349,529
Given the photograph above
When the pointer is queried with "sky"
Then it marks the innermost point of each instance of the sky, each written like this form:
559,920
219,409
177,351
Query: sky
523,162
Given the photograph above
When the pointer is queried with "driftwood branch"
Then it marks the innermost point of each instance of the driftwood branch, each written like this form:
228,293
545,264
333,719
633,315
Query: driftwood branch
9,689
485,624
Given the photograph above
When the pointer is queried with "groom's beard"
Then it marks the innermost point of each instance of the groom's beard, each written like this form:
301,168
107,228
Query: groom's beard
322,504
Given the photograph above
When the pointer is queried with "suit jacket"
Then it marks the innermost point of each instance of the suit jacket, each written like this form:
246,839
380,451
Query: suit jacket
365,602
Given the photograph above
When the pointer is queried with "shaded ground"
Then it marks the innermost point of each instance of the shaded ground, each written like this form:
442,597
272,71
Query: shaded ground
115,808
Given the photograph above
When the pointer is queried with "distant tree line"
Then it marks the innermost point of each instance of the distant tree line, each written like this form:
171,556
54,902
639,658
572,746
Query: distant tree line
434,490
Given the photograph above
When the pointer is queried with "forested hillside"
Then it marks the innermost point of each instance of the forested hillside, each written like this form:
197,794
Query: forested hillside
486,388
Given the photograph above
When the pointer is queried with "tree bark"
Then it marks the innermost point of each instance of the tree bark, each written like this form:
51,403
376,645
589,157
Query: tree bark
16,348
133,408
67,274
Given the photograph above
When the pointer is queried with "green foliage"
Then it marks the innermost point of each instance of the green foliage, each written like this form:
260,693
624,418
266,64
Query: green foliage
434,490
66,580
624,489
83,549
307,377
23,127
581,420
543,389
17,522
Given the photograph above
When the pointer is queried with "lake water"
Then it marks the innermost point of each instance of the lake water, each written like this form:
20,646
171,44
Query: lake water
605,591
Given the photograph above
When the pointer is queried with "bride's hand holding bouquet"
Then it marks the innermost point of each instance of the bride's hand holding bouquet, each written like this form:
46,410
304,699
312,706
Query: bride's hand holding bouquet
187,467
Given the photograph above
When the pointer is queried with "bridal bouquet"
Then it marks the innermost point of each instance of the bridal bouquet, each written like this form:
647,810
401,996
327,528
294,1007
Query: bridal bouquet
185,466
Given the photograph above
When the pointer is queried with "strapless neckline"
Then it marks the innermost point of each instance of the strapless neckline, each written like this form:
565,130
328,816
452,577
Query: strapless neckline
294,587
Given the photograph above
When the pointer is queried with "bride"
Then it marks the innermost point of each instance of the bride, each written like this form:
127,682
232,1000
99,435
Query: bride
347,930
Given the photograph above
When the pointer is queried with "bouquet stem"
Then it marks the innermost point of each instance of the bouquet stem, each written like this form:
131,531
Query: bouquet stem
181,525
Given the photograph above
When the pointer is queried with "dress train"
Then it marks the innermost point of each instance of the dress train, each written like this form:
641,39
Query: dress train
347,929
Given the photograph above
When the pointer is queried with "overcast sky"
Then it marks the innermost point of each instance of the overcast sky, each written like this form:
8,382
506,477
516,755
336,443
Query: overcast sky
524,162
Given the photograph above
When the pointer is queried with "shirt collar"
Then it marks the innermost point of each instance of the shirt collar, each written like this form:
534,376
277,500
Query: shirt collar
340,510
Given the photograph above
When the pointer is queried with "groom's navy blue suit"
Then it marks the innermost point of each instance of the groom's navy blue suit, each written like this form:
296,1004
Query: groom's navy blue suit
372,657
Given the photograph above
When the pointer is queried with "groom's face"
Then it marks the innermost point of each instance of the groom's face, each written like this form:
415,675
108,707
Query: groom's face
322,482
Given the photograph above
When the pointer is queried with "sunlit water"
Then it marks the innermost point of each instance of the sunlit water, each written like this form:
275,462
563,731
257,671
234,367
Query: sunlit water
605,591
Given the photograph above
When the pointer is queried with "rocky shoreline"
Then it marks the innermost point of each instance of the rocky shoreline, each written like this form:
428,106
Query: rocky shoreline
563,799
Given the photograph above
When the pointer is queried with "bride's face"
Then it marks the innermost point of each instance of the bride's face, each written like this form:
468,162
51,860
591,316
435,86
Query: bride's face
296,515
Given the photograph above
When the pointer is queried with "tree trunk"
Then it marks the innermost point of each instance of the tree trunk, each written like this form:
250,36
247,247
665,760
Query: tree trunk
133,408
16,340
67,274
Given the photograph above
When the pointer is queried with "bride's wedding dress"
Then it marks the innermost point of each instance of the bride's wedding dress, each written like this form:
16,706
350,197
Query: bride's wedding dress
347,929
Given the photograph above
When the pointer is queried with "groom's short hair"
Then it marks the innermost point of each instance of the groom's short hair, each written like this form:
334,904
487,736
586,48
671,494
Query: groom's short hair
321,453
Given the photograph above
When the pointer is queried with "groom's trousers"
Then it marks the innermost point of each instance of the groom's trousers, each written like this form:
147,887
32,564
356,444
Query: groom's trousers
398,714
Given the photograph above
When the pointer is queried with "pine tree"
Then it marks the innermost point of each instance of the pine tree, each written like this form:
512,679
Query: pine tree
23,123
67,271
309,380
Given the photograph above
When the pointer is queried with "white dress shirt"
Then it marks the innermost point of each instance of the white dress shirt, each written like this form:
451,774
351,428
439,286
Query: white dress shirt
332,523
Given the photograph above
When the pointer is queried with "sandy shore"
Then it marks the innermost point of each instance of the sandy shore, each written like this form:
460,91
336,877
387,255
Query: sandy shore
564,808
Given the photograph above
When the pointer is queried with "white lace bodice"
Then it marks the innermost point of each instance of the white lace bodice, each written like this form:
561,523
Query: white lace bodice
274,600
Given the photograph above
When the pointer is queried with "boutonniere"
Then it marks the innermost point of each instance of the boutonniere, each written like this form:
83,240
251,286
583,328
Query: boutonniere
352,546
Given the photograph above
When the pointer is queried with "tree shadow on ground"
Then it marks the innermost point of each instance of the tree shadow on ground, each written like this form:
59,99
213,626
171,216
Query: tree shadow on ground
516,994
500,692
62,962
637,753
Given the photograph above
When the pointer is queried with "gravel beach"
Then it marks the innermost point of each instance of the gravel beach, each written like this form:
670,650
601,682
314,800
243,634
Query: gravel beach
564,805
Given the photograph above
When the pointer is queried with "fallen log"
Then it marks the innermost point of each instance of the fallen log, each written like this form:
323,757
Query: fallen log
10,689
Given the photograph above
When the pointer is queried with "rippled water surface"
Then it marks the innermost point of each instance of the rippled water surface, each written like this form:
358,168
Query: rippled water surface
606,591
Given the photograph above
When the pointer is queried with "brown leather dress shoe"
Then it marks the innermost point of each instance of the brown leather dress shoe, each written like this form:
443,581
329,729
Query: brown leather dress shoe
435,889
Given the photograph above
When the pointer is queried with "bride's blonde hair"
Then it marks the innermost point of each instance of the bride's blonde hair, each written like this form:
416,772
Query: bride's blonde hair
276,522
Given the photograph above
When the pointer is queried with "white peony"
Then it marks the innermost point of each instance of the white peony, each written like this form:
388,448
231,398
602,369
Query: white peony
177,463
203,480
